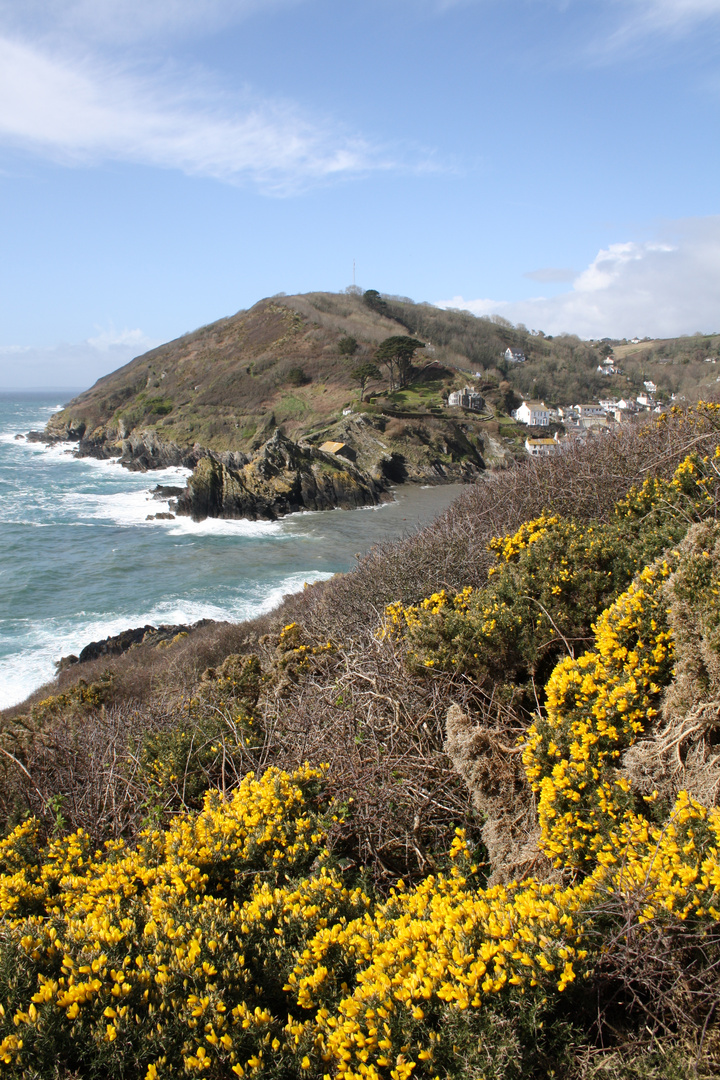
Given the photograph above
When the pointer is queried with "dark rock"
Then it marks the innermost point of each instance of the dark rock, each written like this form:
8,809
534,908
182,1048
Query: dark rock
163,516
66,662
114,646
165,491
233,459
61,430
120,643
140,451
144,450
282,478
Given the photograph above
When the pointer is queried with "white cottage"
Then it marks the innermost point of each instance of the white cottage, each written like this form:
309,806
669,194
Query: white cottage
533,413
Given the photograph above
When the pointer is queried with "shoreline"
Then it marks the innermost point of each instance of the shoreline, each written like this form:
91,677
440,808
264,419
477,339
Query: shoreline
95,574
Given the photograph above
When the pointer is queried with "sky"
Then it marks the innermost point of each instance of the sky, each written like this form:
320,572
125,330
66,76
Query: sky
164,163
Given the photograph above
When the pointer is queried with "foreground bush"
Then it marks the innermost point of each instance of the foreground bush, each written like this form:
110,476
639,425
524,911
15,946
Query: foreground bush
233,935
230,945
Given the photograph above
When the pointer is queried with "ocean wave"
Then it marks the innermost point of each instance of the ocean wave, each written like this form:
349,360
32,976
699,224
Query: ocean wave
31,647
118,507
185,526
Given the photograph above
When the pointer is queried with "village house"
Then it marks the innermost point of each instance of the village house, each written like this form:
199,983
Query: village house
515,356
585,411
598,420
467,398
533,413
540,447
650,386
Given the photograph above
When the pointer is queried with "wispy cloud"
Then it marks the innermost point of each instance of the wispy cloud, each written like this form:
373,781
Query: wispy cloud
659,288
668,14
136,341
67,364
92,111
649,22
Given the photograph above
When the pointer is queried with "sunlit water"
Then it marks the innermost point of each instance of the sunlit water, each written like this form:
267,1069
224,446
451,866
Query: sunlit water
79,560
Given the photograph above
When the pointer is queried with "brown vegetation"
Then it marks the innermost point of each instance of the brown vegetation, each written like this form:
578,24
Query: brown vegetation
351,704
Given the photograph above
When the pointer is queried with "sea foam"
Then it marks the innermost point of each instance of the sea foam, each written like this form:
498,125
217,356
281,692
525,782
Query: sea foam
31,647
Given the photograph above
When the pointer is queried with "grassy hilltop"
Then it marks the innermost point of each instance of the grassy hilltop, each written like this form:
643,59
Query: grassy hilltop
285,364
453,814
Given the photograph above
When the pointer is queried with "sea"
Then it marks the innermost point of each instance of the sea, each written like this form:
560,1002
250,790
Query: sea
79,559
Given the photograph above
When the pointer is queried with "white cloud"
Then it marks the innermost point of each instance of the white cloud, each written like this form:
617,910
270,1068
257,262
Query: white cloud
74,365
83,113
660,288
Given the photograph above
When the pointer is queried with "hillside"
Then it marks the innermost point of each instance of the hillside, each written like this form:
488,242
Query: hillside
451,814
235,399
228,386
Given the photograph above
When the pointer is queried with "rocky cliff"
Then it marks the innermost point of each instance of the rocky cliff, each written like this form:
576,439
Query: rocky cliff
248,401
283,477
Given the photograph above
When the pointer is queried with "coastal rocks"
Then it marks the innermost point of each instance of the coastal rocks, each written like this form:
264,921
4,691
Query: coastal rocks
69,431
163,492
120,643
144,450
282,478
138,451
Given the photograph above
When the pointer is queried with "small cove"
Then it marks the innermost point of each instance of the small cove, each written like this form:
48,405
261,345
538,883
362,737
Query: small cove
79,560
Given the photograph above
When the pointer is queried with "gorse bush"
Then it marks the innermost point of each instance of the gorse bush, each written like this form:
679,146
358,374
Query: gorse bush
244,932
552,577
596,708
230,945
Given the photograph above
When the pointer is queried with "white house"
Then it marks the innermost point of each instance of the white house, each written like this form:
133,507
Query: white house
584,411
533,413
650,386
645,399
515,356
626,405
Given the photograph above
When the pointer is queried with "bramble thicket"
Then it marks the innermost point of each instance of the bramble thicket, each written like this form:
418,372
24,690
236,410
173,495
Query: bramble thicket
567,925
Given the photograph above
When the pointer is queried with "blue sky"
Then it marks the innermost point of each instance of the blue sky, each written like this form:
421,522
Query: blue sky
167,162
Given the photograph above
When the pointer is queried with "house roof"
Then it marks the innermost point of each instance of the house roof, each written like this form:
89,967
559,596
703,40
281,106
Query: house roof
333,447
535,405
540,442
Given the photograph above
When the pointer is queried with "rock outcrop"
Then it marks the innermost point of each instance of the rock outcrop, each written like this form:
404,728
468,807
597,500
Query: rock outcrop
282,478
156,636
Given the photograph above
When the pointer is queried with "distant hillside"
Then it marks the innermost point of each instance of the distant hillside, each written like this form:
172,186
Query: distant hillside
287,362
